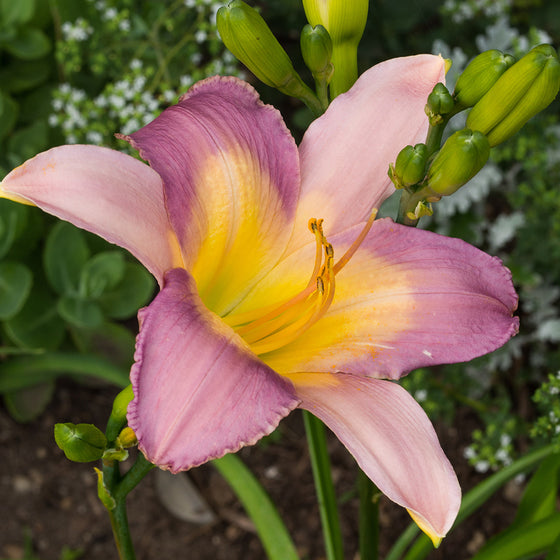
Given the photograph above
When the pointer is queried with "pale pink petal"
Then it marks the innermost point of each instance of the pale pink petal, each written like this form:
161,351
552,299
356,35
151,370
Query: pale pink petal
345,154
198,391
408,298
392,440
106,192
231,177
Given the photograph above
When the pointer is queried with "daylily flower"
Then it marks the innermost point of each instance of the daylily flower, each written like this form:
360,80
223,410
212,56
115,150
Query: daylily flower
278,288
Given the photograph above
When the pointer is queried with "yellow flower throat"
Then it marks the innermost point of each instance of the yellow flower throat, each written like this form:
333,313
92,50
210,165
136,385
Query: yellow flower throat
273,327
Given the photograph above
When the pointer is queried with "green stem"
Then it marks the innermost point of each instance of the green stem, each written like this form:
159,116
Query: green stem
345,62
307,95
369,518
117,488
321,466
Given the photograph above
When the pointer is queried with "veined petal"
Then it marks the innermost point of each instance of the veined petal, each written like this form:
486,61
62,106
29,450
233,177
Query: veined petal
199,393
231,176
106,192
345,154
408,298
392,440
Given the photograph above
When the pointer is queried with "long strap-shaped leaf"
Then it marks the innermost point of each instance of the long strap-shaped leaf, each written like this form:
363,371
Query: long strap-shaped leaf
272,531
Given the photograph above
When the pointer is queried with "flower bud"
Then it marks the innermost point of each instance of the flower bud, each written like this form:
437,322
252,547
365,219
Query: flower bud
440,102
127,438
117,419
246,34
344,20
81,443
525,89
462,156
316,48
410,166
480,75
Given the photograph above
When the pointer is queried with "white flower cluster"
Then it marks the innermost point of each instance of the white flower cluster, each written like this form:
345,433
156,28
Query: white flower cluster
80,30
501,455
461,11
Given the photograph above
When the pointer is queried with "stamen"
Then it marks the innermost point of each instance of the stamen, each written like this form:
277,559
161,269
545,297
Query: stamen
272,327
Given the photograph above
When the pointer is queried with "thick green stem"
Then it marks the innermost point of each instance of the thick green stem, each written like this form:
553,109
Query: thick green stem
326,497
369,518
121,532
345,62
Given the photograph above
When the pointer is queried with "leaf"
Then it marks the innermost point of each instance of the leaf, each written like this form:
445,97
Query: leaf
102,272
8,114
524,542
80,312
26,142
66,253
37,325
15,285
25,371
27,404
13,219
22,75
272,531
15,12
539,498
135,291
29,44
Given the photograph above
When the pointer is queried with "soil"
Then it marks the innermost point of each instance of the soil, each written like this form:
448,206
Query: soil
55,501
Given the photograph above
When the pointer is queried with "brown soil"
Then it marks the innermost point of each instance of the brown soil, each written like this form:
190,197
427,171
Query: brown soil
55,500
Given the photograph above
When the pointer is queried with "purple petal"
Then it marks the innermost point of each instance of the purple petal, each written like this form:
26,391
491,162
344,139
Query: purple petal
408,298
392,440
231,176
199,392
106,192
345,154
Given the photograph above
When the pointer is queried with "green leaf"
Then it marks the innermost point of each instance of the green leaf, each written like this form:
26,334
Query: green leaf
22,75
27,404
539,498
26,142
37,325
8,114
66,253
15,12
29,44
13,219
82,443
135,291
112,341
102,272
272,531
524,542
15,285
80,312
26,371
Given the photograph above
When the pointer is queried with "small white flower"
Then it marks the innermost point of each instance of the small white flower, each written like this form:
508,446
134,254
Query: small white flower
421,395
482,466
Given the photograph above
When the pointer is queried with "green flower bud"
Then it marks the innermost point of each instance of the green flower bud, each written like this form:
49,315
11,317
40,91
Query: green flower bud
316,48
462,156
344,20
117,419
246,34
525,89
440,102
480,75
410,166
81,443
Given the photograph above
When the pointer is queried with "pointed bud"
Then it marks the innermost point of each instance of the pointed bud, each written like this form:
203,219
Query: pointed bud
410,166
246,34
524,90
462,156
81,443
117,419
440,102
480,75
316,48
345,21
127,438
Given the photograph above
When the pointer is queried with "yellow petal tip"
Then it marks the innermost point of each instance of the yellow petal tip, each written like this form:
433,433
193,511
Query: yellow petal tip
424,526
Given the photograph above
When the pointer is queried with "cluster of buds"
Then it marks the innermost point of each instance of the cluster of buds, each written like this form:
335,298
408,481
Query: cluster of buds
503,94
328,43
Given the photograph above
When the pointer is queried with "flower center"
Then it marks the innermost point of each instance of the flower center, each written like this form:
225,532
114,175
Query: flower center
273,327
